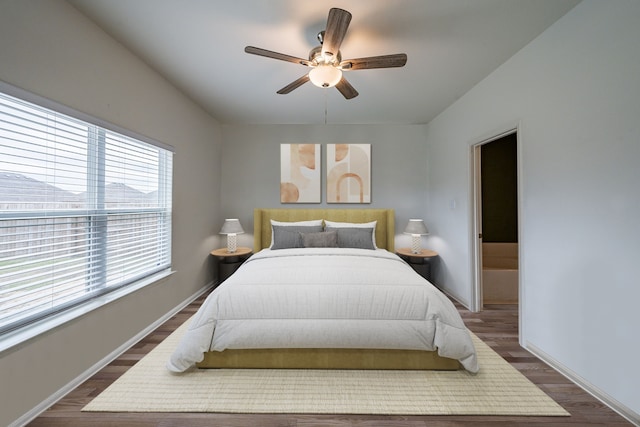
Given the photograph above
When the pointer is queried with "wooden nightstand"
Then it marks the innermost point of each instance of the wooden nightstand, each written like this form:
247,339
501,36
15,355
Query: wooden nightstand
228,263
421,262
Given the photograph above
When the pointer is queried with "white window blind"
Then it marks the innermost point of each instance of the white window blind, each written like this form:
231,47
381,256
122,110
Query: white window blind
83,211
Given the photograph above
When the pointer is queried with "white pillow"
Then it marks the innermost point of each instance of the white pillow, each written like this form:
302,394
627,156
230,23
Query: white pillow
313,222
285,223
371,224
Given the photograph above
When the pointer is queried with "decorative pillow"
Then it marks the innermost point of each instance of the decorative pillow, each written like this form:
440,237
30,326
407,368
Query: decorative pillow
326,239
371,224
357,237
285,237
310,223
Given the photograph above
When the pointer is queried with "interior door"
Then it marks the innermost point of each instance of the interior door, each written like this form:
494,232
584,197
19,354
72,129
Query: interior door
496,228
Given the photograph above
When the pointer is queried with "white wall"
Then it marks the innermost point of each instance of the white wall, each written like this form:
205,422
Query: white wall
50,49
251,168
576,94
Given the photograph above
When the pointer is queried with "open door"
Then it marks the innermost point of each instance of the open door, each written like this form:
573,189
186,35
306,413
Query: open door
495,218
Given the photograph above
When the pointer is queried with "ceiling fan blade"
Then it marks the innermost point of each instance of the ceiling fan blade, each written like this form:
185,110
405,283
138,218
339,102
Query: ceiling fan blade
275,55
346,89
337,24
294,85
384,61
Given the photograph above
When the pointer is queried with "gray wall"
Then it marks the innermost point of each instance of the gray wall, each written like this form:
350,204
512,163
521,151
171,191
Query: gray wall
50,49
574,93
251,168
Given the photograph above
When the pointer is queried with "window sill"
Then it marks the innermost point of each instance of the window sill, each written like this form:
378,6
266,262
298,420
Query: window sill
22,335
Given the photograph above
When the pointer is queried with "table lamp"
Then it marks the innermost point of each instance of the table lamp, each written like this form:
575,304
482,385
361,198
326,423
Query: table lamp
416,228
231,228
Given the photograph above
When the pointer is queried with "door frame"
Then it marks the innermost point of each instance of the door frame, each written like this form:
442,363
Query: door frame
476,215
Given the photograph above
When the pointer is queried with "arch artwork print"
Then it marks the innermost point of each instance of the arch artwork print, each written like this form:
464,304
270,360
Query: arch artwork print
299,173
348,173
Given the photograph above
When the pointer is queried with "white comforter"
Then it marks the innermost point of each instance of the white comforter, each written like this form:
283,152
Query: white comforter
325,298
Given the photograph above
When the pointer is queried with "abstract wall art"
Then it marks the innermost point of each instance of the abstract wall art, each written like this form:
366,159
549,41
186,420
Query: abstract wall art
300,173
348,173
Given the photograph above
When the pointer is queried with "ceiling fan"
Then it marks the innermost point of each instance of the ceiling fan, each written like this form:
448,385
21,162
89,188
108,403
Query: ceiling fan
326,60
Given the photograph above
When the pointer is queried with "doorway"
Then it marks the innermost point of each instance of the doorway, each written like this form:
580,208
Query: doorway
496,220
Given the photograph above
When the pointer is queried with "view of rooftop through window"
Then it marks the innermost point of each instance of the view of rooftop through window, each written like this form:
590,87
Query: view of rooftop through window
47,155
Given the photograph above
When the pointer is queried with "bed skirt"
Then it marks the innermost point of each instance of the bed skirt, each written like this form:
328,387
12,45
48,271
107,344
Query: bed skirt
327,358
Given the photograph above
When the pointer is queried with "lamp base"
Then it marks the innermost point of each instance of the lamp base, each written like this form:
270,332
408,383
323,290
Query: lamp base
416,247
232,245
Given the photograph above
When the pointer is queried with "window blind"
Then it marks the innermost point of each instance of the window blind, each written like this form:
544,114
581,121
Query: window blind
83,211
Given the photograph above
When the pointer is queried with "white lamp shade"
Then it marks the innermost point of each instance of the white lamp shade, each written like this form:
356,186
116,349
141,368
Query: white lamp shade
325,75
231,226
416,226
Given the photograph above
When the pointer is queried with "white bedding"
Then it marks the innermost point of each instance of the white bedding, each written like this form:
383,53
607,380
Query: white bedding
325,298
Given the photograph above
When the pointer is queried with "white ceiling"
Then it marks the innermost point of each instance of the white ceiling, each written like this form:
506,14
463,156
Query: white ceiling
198,45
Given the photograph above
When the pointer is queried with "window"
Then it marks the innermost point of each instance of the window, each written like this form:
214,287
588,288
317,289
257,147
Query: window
84,210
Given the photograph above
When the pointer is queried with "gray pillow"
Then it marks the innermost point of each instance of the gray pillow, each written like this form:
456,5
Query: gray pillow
285,237
360,238
327,239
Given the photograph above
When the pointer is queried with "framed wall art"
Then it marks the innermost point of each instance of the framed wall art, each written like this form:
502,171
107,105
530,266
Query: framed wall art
299,173
348,173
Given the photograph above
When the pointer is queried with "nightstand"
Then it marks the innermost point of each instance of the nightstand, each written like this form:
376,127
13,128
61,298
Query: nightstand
228,263
421,262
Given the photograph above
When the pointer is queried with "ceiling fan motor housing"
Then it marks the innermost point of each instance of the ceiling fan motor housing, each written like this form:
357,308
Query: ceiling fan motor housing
316,56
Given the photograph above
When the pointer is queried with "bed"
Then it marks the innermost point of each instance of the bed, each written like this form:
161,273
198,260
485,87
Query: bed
301,302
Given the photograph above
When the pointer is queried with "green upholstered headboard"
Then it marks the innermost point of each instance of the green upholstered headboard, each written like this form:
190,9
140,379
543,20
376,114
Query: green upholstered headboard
385,227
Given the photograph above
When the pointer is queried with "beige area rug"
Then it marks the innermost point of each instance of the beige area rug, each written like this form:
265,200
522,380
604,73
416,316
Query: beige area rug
498,389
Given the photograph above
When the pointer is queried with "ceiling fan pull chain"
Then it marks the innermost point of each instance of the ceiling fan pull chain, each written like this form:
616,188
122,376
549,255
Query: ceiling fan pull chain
325,105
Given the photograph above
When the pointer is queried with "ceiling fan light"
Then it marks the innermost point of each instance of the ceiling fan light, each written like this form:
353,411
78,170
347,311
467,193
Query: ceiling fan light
325,75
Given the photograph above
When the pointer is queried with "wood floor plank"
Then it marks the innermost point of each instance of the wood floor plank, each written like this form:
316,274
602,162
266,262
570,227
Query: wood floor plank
497,325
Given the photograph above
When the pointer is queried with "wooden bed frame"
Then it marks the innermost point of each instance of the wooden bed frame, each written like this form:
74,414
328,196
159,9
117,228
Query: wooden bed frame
327,358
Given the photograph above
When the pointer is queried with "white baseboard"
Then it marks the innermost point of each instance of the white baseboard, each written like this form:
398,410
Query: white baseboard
45,404
462,302
612,403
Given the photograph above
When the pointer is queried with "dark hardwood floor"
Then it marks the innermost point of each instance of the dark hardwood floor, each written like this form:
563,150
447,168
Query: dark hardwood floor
497,326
